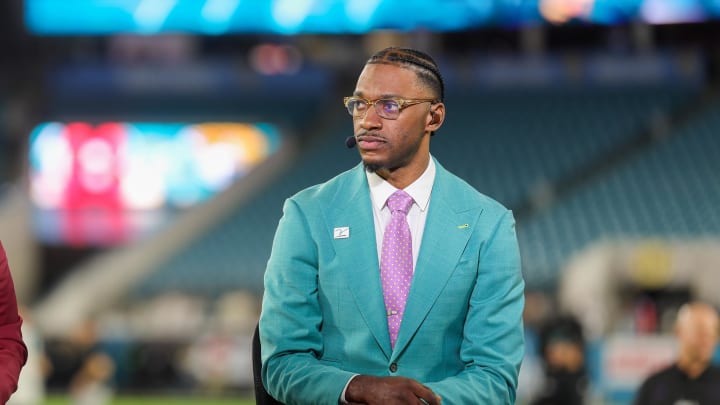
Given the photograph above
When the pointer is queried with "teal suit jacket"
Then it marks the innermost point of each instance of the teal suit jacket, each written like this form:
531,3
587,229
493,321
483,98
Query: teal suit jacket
323,317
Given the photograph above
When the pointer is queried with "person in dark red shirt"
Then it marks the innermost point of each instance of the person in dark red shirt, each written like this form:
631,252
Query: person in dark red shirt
13,352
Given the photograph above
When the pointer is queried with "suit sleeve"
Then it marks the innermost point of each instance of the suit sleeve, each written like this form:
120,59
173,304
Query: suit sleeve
493,342
291,318
12,349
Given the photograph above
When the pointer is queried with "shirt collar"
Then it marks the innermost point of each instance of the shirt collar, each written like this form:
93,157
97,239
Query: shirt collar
419,190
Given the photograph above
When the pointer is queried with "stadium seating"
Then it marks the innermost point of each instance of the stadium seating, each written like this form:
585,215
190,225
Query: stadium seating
509,143
670,190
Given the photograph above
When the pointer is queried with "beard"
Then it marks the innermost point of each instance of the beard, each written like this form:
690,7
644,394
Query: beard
388,167
372,167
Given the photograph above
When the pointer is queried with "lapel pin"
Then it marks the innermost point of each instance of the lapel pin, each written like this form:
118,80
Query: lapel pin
342,232
463,226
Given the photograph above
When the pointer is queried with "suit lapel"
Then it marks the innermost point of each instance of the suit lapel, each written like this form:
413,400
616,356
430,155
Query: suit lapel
447,230
352,208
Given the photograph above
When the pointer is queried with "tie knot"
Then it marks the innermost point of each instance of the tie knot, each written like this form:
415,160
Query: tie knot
400,201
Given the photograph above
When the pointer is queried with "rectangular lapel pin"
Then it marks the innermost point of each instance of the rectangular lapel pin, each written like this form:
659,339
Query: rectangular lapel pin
342,232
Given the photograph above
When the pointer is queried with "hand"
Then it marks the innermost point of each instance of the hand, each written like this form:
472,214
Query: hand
372,390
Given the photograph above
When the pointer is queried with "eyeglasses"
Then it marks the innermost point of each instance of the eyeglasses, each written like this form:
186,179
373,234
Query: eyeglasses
388,108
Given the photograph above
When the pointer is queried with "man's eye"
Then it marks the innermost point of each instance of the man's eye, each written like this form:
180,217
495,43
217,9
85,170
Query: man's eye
390,106
358,105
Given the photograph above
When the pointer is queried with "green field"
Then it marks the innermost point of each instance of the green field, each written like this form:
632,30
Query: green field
159,400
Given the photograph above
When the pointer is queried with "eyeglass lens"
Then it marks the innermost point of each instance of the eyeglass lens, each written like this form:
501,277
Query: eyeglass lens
384,108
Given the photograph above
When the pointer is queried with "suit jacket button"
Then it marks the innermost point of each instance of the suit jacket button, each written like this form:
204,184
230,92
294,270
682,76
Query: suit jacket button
393,367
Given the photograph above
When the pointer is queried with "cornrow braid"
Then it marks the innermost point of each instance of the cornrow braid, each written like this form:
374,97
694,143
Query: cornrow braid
424,65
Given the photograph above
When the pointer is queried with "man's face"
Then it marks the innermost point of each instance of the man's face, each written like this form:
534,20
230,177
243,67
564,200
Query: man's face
698,335
392,144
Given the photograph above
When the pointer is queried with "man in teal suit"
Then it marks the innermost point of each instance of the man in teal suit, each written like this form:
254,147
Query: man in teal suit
326,325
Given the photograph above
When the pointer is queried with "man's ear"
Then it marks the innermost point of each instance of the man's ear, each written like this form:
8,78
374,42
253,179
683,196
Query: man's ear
435,117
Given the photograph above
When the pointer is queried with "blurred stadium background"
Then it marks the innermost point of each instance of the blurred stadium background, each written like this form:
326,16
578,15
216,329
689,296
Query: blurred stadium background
146,148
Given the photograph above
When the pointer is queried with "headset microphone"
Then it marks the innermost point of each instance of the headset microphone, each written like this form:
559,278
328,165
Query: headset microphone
350,142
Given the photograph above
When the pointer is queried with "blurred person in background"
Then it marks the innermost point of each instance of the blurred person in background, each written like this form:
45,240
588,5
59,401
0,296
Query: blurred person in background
92,382
338,322
692,379
13,352
538,308
91,385
562,347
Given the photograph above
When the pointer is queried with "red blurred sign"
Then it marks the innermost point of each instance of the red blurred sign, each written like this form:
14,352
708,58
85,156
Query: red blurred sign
628,360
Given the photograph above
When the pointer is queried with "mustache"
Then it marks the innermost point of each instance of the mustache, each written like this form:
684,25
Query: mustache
370,135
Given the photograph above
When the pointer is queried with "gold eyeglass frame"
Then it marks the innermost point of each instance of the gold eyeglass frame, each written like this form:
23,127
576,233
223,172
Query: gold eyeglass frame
402,104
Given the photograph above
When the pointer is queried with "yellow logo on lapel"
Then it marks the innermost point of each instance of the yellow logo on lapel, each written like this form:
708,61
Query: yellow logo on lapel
342,232
463,226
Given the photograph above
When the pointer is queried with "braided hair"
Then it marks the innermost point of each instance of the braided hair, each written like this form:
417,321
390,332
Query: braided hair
420,62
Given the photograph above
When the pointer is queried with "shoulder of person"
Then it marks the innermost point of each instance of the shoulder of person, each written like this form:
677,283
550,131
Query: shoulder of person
714,370
661,376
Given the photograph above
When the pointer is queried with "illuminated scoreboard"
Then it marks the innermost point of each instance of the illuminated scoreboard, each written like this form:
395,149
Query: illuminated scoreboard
113,170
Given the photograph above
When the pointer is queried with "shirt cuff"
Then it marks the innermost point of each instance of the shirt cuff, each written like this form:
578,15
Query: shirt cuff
342,396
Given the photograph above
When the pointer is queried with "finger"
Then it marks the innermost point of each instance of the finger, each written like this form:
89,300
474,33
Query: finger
426,396
436,397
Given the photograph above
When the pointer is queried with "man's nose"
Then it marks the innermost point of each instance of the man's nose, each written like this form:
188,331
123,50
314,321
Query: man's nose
371,119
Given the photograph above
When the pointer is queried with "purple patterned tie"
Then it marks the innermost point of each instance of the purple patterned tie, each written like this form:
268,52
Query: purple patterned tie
396,261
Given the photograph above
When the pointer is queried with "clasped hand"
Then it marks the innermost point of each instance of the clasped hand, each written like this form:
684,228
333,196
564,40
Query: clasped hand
370,390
